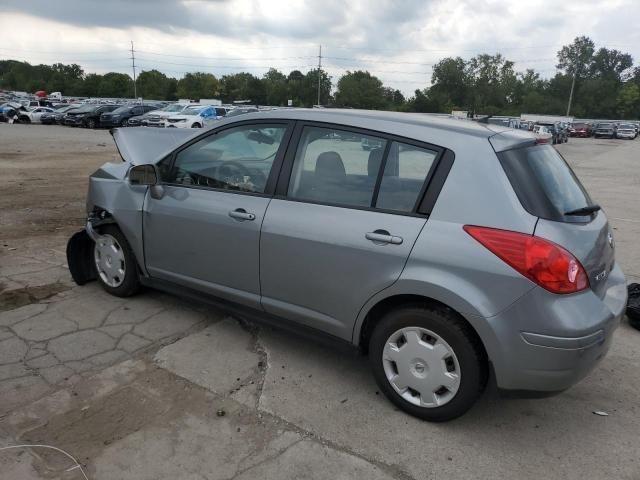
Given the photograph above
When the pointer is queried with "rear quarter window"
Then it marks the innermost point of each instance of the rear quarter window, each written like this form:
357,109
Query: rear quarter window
544,183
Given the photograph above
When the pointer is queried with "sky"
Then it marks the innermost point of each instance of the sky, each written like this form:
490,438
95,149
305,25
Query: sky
398,41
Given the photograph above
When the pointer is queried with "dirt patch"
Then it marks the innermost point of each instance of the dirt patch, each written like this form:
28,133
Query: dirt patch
20,297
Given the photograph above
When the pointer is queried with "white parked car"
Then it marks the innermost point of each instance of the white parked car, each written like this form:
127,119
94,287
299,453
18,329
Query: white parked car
33,115
543,134
196,116
156,118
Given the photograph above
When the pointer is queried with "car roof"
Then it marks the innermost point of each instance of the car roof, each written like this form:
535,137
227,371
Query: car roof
434,129
363,118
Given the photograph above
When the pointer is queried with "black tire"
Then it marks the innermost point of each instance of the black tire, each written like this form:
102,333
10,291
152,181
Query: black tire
91,123
196,125
460,337
124,123
131,283
24,119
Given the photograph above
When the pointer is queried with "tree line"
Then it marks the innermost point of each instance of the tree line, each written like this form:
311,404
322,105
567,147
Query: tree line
604,82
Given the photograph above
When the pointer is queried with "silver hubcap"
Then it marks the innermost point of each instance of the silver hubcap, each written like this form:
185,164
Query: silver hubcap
109,259
421,367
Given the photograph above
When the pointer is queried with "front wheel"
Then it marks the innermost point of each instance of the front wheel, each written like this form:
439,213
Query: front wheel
428,362
91,123
115,263
196,125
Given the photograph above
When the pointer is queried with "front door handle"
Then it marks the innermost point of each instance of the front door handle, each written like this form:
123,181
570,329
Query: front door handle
241,214
382,236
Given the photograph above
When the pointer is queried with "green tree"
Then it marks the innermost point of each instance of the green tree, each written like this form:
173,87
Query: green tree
360,89
275,84
198,85
450,82
153,84
115,85
629,101
610,63
243,86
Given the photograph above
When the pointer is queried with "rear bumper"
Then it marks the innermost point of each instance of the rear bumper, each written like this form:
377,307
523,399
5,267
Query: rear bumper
546,343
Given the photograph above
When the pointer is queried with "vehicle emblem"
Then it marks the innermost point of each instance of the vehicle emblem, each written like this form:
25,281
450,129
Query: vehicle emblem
610,239
601,276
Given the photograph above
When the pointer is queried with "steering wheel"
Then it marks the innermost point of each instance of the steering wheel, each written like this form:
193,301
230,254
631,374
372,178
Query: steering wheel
230,166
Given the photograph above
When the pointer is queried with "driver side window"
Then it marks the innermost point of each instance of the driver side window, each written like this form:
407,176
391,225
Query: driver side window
236,159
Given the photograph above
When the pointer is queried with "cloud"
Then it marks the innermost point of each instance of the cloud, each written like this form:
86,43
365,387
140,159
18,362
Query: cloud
397,41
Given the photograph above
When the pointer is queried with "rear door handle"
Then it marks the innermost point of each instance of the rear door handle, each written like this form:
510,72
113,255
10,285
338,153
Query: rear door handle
241,214
382,236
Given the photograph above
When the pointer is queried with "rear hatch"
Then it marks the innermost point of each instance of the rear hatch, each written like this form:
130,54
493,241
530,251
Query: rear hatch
548,189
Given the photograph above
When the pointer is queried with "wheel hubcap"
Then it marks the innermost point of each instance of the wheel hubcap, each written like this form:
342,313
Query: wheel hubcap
421,367
109,259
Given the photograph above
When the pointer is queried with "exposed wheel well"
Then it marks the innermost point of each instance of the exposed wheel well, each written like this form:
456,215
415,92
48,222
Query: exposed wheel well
398,301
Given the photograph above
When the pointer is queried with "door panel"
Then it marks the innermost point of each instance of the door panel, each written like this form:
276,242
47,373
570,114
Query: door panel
202,228
191,238
318,268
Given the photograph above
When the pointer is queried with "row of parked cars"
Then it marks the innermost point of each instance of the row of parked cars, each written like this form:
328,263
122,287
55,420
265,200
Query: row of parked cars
152,114
628,130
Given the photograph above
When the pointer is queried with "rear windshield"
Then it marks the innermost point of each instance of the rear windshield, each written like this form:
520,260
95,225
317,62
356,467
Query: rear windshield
544,183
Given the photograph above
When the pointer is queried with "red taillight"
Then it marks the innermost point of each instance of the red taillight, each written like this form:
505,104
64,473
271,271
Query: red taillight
545,263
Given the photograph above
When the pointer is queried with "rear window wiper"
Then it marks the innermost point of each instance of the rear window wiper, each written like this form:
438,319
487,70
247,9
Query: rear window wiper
588,210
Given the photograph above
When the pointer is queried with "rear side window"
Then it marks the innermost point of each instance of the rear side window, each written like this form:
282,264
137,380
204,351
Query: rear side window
336,167
544,183
404,174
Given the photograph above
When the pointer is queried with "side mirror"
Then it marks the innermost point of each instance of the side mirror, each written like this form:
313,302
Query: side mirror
143,175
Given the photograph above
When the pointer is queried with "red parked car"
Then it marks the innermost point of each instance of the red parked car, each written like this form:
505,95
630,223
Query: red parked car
580,130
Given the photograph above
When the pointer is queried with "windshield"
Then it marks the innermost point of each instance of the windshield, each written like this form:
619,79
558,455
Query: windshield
626,125
544,182
604,125
173,108
122,109
192,110
86,108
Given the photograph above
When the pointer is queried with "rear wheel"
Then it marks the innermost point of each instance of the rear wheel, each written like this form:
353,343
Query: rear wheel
428,362
115,263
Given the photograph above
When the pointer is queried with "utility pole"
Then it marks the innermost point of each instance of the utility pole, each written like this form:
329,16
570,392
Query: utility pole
573,84
133,65
319,71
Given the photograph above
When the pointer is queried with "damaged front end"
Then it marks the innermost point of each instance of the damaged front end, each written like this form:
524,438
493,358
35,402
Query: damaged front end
80,248
113,199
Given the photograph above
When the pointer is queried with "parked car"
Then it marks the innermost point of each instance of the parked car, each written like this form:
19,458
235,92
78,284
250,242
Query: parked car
582,130
626,130
605,130
57,115
542,134
11,111
120,116
196,116
33,115
240,111
87,116
157,118
450,251
557,133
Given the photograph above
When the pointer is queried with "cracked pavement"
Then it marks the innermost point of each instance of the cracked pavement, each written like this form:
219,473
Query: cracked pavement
155,387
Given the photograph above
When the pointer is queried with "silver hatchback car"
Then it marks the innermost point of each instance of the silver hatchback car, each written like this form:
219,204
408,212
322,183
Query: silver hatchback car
449,252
